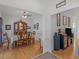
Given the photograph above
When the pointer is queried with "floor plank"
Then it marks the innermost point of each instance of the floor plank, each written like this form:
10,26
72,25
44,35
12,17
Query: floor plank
30,51
26,52
68,53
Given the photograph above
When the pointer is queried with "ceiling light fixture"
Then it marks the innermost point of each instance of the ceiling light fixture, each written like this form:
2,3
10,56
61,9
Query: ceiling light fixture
24,15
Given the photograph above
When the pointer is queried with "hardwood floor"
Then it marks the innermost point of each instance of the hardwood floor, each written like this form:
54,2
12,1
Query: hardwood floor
21,53
30,51
66,54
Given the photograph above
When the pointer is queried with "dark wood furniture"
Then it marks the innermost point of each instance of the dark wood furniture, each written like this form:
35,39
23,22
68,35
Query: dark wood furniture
6,41
25,37
30,38
20,28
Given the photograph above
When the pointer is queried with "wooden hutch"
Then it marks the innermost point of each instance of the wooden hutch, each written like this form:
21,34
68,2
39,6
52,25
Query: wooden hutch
20,29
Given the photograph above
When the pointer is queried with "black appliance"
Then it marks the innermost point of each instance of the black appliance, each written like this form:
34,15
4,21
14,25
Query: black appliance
68,31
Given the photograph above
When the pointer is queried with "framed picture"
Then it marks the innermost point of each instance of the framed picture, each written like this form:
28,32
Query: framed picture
60,4
58,19
68,21
64,20
36,26
8,27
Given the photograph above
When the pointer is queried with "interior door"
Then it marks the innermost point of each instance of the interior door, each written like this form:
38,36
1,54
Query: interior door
0,30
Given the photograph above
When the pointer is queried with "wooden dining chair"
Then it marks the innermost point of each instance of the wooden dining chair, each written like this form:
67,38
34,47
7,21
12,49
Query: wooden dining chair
6,42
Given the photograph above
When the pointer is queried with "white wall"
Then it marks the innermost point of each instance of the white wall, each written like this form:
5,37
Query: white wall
10,19
48,27
53,29
37,19
73,13
46,33
69,5
53,25
74,16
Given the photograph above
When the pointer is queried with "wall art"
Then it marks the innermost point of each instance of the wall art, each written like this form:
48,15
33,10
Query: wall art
8,27
58,19
60,4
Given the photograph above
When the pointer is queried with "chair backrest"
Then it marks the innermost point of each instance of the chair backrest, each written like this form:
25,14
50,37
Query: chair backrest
29,35
5,38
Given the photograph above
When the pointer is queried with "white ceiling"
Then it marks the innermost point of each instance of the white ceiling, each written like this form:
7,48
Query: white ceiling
11,11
